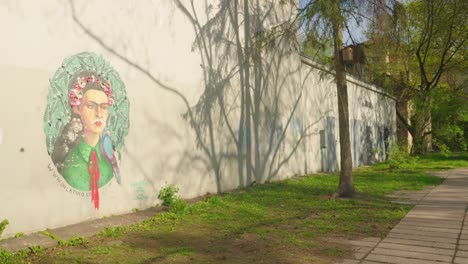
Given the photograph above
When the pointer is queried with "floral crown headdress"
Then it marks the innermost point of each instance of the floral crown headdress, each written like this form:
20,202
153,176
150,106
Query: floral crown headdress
76,93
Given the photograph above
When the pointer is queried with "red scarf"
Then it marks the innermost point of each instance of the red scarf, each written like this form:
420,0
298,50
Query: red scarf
93,169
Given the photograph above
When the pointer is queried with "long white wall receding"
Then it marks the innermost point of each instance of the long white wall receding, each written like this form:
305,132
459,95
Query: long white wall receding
186,87
371,114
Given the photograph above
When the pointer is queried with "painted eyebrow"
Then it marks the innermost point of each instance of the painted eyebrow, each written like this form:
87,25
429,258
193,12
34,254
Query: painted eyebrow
93,102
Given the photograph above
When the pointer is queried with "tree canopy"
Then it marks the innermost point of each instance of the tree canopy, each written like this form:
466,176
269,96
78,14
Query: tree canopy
416,50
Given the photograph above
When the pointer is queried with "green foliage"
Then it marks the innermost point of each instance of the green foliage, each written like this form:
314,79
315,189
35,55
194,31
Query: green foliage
3,225
36,249
6,256
178,206
450,119
101,250
73,241
319,50
419,52
114,231
76,241
443,149
316,23
22,253
168,195
170,198
19,234
398,157
53,236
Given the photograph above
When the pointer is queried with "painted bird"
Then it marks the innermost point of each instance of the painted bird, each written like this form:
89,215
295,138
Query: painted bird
107,149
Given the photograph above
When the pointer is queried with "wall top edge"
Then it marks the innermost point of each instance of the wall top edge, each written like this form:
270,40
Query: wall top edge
322,67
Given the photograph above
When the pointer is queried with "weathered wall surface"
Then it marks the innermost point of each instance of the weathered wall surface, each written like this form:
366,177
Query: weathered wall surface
372,121
174,71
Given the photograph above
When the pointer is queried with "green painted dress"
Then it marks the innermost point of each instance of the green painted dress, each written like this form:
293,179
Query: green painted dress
75,167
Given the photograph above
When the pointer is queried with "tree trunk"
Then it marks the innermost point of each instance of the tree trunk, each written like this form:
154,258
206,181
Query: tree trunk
421,124
420,136
346,186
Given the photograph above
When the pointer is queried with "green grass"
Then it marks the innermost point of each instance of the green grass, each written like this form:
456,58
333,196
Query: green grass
283,221
100,250
113,231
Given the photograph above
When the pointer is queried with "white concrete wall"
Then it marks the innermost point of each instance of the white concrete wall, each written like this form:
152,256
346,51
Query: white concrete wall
160,148
38,36
369,108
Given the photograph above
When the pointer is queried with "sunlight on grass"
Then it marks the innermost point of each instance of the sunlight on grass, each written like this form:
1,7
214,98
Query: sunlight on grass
282,218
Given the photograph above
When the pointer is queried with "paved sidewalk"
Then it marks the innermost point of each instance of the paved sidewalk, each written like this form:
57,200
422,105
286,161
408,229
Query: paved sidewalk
435,231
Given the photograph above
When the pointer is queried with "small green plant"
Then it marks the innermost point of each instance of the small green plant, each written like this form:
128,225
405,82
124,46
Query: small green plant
19,234
443,149
22,253
170,198
168,195
36,249
398,157
114,231
73,241
3,225
54,237
76,241
135,210
6,256
178,206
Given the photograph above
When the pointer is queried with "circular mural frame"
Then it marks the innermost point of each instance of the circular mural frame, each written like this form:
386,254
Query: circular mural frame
70,105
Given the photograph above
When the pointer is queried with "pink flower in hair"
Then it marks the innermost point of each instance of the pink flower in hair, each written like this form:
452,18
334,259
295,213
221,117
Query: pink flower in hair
76,93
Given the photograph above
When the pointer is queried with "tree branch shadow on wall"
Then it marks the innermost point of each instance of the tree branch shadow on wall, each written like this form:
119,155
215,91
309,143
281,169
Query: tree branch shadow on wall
251,100
251,96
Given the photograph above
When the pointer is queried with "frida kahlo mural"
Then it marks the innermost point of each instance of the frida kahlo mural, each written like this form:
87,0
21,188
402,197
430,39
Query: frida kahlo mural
86,121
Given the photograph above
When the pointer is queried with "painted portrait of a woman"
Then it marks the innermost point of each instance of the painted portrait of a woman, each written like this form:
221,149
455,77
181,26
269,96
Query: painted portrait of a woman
84,150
